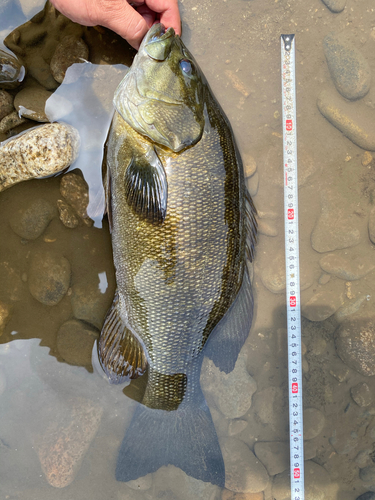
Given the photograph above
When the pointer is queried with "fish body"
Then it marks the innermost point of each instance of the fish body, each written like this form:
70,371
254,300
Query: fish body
181,223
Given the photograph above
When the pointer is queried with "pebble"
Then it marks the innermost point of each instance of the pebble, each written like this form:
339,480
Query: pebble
69,51
75,341
6,104
90,304
349,269
230,392
336,227
30,103
243,471
249,165
325,302
349,70
40,152
49,277
355,344
339,370
12,72
76,192
31,222
367,475
349,309
366,158
273,276
236,426
4,316
354,120
343,442
363,458
335,5
317,483
11,286
273,455
371,226
269,408
11,121
361,394
67,214
313,422
369,495
231,495
66,440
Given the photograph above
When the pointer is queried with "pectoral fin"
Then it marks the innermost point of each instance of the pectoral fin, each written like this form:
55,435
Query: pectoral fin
146,188
120,354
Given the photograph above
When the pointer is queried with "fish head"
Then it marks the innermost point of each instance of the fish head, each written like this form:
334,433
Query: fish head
162,95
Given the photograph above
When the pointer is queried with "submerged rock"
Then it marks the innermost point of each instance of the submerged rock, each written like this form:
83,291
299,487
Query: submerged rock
31,222
6,104
90,304
39,152
273,455
12,72
371,226
67,214
30,103
361,394
335,5
349,70
11,121
75,341
70,50
349,268
76,192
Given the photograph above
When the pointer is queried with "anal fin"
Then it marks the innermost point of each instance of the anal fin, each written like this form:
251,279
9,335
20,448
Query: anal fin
120,353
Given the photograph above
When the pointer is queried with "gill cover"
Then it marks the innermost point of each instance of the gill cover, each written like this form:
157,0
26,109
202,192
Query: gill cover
158,97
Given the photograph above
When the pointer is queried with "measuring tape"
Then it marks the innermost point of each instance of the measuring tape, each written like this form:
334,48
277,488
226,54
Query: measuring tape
293,305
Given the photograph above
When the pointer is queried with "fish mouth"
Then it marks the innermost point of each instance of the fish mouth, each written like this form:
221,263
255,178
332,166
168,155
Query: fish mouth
158,42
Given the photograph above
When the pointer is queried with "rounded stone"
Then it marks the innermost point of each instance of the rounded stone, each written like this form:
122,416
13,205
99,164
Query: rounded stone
12,72
273,455
90,304
313,423
349,70
31,222
6,104
355,344
49,277
75,342
69,51
243,471
76,192
30,103
335,5
361,394
367,474
369,495
324,303
249,165
67,214
348,269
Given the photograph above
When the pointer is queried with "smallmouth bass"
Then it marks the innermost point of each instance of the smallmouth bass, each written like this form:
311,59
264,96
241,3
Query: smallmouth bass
182,223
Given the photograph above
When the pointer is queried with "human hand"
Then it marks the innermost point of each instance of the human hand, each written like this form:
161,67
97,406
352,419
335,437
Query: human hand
130,20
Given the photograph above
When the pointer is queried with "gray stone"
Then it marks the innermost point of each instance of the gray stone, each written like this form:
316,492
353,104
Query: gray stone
335,5
90,304
313,423
12,72
49,277
269,408
363,458
351,308
361,394
230,392
243,471
69,51
236,426
6,104
349,70
76,192
11,121
31,222
338,370
67,214
349,269
324,303
342,442
11,285
75,341
369,495
354,119
30,103
273,455
371,226
367,475
355,344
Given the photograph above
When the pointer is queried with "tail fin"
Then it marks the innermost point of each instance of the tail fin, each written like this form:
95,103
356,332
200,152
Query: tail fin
185,437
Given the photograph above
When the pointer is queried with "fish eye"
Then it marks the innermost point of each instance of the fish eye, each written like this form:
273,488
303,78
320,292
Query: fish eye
186,67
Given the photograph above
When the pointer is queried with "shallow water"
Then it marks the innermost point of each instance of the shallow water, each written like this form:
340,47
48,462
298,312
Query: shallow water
56,417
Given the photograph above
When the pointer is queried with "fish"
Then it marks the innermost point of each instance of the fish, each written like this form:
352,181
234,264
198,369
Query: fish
183,229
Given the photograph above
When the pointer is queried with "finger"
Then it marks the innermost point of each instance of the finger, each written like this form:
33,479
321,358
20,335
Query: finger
169,13
148,15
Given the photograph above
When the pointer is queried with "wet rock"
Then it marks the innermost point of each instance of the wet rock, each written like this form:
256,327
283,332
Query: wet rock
243,471
69,51
325,302
339,370
30,103
4,316
40,152
273,276
76,192
313,423
348,269
90,304
335,5
269,408
355,344
336,227
11,121
252,184
273,455
353,119
31,222
363,458
6,104
40,70
75,341
317,483
349,70
236,426
348,309
249,165
361,394
230,392
11,286
172,483
371,226
367,475
66,440
366,158
49,277
369,495
67,214
342,442
231,495
12,72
